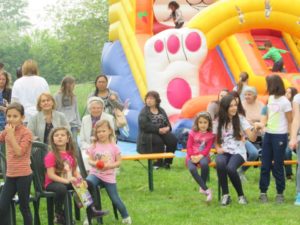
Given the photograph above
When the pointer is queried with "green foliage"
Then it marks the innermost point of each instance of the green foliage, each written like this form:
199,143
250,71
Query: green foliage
72,46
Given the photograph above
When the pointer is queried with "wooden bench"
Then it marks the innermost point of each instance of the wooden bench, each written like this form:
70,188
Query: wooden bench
150,157
247,163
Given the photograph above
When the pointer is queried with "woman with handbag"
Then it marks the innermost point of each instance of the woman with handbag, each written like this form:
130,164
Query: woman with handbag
155,130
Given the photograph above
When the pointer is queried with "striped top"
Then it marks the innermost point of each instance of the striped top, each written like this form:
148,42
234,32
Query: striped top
18,166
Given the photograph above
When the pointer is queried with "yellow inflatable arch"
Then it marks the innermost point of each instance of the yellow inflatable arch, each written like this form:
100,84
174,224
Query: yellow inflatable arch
227,17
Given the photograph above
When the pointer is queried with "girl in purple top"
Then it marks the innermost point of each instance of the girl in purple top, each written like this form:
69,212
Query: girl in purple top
199,144
104,158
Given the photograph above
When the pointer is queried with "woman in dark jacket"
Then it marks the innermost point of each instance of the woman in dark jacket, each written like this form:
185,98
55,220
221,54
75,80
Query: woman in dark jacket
155,130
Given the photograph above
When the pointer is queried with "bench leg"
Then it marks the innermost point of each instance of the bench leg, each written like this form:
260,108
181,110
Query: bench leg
150,174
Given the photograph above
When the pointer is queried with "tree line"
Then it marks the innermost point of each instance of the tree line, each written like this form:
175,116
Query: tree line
72,46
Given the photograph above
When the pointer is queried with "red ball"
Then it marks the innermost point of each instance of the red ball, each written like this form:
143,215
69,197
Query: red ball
100,164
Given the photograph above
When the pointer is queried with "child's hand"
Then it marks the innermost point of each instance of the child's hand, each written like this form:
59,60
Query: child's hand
100,164
113,97
10,129
293,144
72,180
196,158
220,150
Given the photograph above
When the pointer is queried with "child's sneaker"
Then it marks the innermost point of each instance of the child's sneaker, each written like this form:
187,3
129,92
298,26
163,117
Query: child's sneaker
202,191
225,200
297,201
263,197
208,195
242,200
127,220
279,198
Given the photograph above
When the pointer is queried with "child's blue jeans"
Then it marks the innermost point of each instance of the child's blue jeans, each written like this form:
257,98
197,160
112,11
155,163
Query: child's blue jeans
111,189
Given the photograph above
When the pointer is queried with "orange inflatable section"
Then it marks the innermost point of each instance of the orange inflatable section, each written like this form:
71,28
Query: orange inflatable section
192,107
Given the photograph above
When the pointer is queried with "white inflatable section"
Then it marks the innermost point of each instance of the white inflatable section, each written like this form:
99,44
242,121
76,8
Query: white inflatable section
173,58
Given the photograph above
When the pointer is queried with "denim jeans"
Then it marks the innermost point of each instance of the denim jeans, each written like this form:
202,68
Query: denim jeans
298,168
227,166
274,146
288,156
201,180
111,189
252,153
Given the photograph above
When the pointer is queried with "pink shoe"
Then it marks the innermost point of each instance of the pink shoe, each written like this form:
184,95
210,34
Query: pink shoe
202,191
208,195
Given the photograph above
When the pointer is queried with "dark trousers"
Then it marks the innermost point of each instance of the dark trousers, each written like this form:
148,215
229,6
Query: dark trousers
61,190
179,25
274,146
201,180
227,165
13,185
278,66
160,141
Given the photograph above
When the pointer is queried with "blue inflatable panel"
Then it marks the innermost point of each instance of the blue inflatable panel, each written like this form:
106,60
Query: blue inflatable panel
116,67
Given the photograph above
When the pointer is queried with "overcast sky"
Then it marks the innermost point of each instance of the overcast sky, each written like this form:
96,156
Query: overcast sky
36,12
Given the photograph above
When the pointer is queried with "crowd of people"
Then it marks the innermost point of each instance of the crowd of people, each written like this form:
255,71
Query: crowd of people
238,125
29,112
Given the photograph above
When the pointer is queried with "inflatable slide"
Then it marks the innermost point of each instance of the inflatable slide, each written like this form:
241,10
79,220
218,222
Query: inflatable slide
191,65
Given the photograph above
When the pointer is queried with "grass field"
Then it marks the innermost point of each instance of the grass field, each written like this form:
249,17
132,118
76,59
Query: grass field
176,200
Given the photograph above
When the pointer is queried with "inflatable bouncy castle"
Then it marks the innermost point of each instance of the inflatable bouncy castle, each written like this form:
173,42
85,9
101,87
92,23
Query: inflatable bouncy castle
189,66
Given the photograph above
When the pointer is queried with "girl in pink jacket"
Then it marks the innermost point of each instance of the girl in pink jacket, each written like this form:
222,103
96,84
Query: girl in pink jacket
199,144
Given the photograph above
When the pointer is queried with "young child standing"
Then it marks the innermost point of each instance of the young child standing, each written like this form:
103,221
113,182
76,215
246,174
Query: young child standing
105,157
274,54
62,172
230,146
279,116
17,140
199,144
176,14
66,102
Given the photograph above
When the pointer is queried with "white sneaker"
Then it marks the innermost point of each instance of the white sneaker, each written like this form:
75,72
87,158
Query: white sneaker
127,220
86,222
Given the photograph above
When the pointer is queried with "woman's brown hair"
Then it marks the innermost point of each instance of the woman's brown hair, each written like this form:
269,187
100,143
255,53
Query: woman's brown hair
30,67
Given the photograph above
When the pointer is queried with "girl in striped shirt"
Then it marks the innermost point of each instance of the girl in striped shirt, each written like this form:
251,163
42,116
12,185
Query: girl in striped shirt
17,140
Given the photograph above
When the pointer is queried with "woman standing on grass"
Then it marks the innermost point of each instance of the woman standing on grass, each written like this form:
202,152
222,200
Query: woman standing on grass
66,102
230,146
279,116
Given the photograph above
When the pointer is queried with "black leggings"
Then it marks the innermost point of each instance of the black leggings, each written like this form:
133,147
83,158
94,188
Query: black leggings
160,141
61,191
228,164
13,185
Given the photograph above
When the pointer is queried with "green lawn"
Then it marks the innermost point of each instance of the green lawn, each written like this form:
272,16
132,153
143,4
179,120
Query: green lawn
176,200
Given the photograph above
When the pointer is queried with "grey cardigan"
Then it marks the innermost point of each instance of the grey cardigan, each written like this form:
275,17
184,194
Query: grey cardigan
37,123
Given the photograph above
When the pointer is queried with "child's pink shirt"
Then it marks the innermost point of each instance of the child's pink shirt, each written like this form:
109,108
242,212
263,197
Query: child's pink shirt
50,161
199,143
106,153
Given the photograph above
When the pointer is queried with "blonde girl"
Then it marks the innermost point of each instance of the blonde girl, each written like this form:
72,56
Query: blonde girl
104,158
